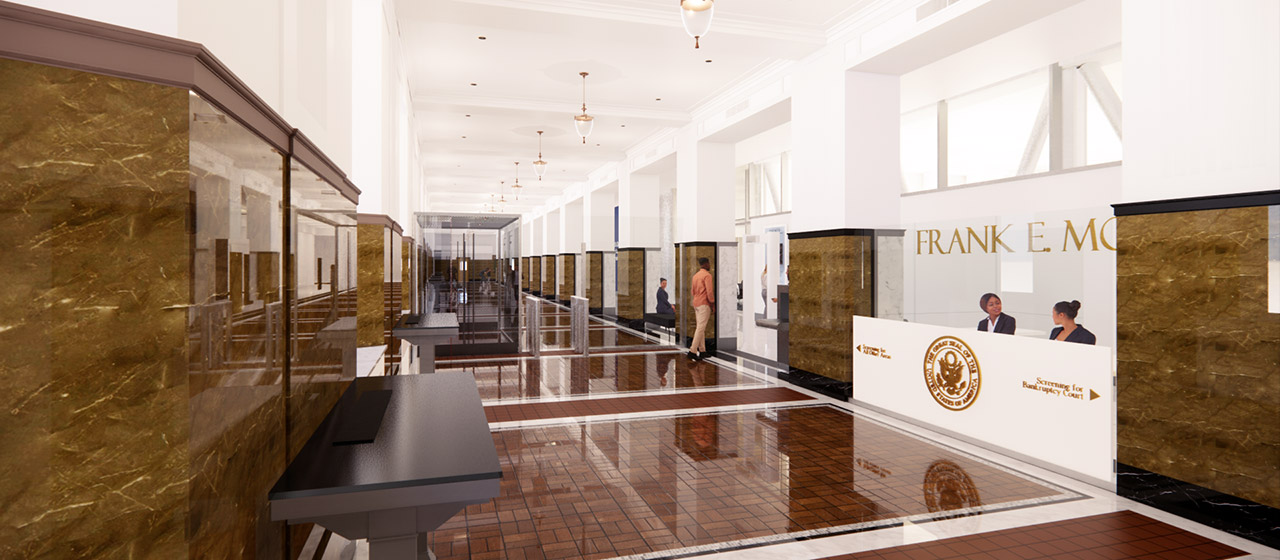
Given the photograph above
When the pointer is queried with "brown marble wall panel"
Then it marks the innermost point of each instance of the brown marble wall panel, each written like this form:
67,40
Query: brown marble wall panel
371,262
94,203
268,275
549,276
688,255
631,284
1198,353
595,280
524,273
568,277
406,275
535,274
830,283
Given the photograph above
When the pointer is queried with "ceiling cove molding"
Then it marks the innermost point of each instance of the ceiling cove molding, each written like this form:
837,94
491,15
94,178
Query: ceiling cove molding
427,100
599,9
867,17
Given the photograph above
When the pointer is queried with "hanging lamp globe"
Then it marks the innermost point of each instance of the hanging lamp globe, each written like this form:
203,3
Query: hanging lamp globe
517,184
696,16
540,167
584,122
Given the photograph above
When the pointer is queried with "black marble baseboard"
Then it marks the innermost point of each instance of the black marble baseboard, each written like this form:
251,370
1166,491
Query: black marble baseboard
597,311
842,390
1238,516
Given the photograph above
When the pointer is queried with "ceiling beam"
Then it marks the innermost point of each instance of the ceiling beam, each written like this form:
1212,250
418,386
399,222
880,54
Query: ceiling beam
425,101
724,22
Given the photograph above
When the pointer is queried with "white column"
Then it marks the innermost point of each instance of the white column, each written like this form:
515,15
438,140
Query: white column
571,227
597,218
704,190
873,169
1200,90
638,210
551,227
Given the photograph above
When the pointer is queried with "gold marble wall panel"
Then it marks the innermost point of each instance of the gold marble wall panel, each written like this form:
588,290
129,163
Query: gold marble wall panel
688,255
549,276
535,274
631,284
407,290
524,273
568,277
1198,353
371,262
94,203
595,280
830,283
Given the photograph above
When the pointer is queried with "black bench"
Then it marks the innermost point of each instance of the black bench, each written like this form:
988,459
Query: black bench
665,320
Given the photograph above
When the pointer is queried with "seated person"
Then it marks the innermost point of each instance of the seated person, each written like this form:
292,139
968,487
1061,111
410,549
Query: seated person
1064,314
664,304
996,321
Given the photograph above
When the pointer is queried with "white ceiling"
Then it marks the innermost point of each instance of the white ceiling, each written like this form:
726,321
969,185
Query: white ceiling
526,76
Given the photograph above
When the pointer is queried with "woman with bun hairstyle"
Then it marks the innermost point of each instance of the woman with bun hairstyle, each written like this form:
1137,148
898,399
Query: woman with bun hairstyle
1064,314
996,321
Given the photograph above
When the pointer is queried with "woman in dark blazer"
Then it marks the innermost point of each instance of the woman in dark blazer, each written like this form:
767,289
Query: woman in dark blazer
1064,314
1004,324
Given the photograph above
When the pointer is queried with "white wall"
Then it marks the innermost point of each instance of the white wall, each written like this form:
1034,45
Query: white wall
152,16
1202,80
310,60
763,146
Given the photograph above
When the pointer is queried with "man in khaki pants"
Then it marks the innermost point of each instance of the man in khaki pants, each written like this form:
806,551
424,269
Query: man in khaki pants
703,296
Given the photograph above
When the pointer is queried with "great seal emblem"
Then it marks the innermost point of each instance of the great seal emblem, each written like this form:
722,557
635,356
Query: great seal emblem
951,373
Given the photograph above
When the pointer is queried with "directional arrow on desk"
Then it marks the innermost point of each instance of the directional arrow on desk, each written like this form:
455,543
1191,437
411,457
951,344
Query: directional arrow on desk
1093,394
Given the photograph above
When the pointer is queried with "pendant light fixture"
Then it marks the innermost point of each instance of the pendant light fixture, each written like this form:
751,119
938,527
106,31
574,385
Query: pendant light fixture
696,16
584,122
517,184
540,167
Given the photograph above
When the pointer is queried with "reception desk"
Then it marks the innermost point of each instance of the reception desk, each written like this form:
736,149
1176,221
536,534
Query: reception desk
1050,403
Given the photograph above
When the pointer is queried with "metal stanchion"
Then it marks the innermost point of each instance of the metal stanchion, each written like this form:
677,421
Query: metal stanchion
533,324
579,326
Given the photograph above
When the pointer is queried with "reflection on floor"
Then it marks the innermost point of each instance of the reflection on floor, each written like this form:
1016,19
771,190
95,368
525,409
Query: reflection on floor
563,376
746,478
637,452
643,403
1122,534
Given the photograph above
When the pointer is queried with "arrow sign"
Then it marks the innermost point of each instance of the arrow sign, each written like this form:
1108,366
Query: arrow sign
1093,394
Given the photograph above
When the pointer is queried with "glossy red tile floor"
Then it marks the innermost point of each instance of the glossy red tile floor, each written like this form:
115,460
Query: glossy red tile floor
562,376
1122,534
605,489
645,403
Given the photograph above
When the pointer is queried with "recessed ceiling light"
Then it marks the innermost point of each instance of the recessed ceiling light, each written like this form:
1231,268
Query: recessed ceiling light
464,137
657,99
482,37
624,126
708,61
468,116
473,84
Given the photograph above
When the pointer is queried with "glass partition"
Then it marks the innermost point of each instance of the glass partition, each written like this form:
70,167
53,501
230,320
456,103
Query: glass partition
323,303
235,324
1029,261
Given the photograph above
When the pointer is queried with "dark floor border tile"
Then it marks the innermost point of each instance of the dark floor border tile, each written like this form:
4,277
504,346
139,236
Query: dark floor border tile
1246,519
840,390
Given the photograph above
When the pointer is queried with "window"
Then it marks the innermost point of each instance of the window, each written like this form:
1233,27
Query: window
1010,128
764,187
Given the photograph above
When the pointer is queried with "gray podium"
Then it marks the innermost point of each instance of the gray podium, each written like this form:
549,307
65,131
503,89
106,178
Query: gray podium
396,458
425,331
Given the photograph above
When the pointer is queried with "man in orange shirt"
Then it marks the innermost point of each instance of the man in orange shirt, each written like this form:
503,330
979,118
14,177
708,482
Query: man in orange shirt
703,297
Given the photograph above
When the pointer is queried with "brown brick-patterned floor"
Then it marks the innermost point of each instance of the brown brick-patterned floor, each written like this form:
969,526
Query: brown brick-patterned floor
647,403
562,376
607,489
1121,534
